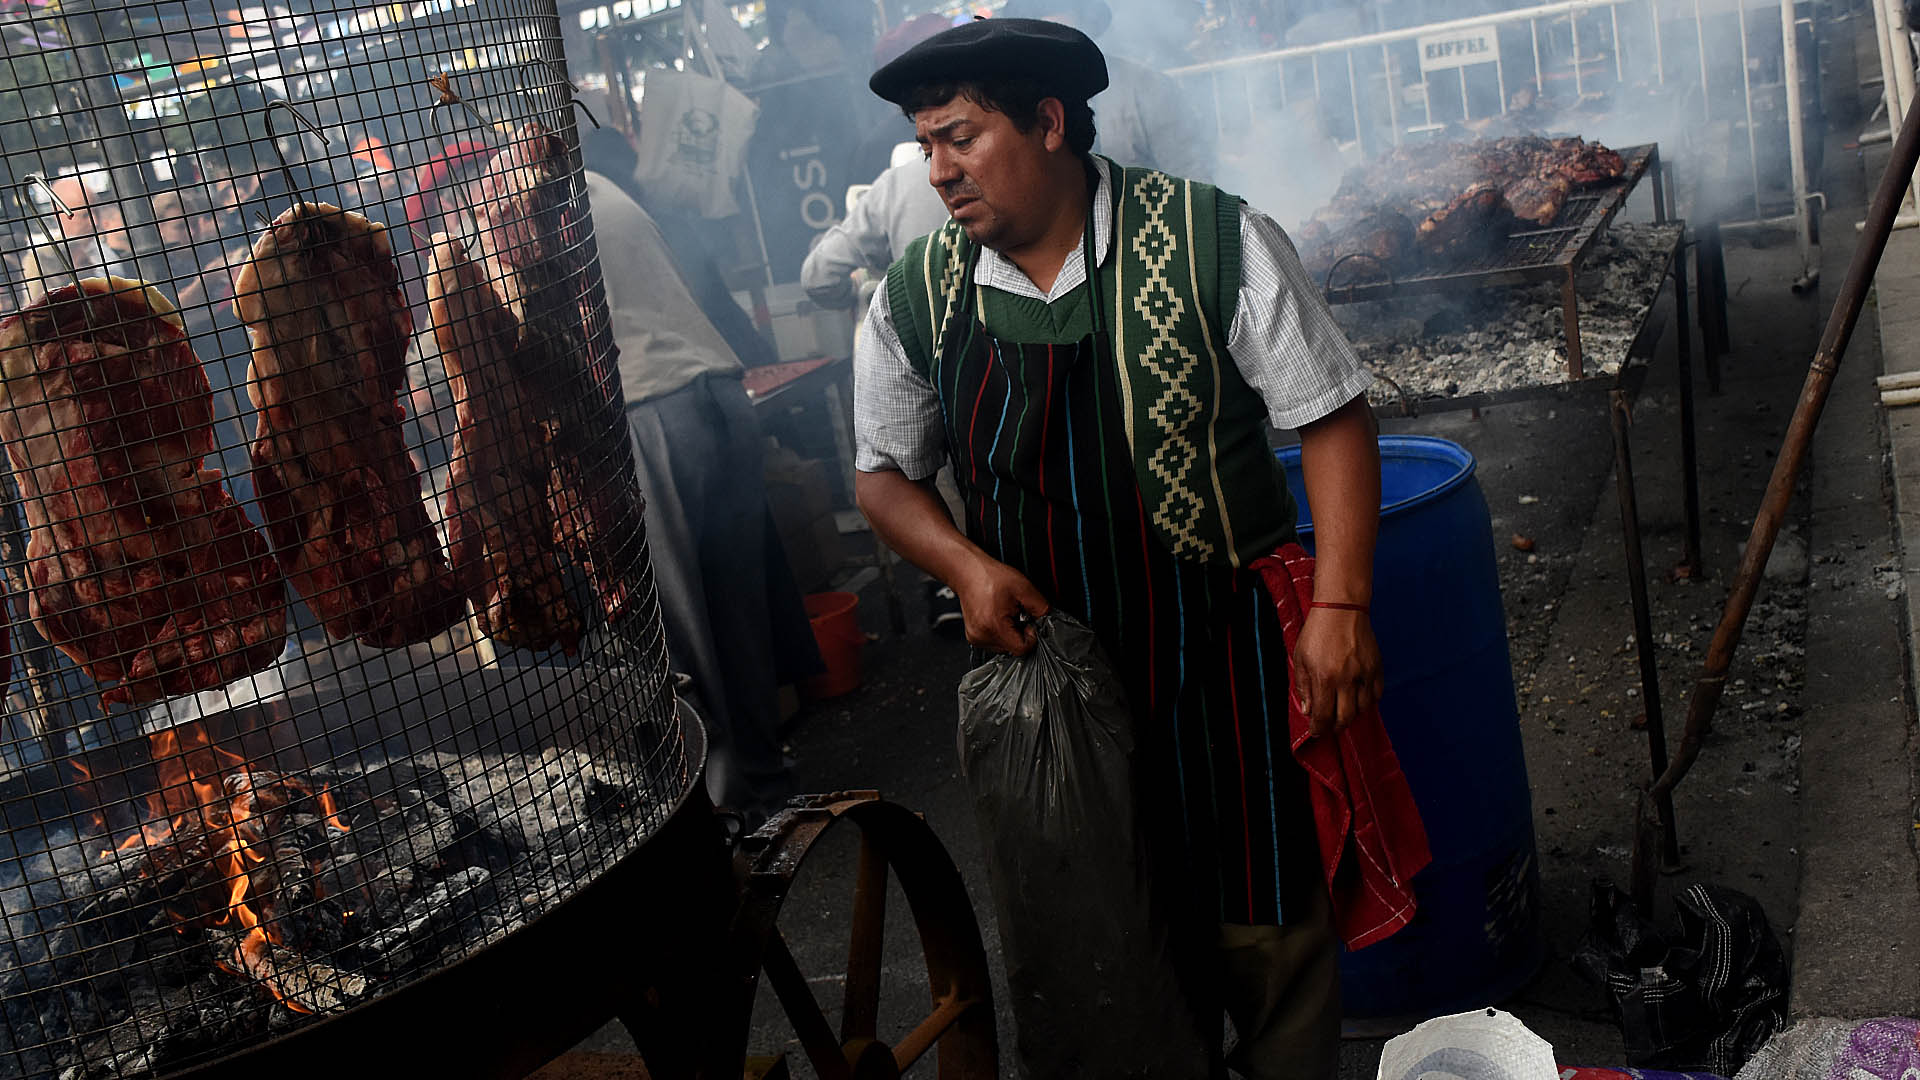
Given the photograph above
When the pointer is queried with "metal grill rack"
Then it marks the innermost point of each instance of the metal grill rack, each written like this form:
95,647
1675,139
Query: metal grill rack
1553,252
284,732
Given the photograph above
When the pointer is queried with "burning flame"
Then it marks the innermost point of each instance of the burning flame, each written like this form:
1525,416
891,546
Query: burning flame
201,814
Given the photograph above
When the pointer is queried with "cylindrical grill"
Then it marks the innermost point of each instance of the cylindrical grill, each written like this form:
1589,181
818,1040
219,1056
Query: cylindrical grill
335,653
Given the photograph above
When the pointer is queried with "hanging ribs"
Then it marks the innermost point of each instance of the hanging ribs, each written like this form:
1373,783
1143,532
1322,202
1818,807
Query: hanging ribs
140,566
533,249
322,303
499,520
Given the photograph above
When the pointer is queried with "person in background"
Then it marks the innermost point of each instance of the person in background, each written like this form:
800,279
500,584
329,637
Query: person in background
610,154
726,593
900,207
1145,118
1083,346
91,241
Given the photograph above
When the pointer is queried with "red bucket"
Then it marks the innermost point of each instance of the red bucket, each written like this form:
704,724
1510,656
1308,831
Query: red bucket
836,627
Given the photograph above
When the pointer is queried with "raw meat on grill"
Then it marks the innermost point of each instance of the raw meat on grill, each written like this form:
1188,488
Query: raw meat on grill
140,566
322,303
1464,199
532,248
499,522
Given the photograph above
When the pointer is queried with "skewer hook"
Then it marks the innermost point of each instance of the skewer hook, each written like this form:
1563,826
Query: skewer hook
443,84
54,239
556,78
286,171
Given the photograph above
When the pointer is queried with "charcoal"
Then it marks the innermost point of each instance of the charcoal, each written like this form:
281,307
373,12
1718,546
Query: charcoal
604,800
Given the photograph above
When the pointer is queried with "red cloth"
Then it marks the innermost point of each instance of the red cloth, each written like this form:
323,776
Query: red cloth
1371,839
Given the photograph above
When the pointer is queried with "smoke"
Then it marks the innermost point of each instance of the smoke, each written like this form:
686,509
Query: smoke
1286,134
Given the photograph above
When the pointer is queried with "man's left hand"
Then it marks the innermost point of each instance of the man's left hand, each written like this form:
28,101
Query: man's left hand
1337,673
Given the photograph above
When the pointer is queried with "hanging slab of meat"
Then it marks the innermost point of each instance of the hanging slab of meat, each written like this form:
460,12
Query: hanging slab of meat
140,566
533,249
499,521
322,303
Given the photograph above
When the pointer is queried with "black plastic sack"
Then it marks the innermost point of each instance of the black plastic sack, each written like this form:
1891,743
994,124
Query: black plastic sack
1706,998
1046,748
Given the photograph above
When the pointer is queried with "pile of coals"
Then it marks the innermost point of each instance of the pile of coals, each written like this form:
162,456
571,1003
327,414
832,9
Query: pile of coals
1443,345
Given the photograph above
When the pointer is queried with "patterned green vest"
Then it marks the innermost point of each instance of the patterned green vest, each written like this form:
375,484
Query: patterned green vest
1213,490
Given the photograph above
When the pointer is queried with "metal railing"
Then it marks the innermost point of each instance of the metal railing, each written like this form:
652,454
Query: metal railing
1717,82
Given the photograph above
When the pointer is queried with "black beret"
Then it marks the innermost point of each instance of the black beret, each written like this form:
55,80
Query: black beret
1065,61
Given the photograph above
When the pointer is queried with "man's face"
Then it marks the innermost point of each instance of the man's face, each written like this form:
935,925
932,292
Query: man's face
993,177
169,217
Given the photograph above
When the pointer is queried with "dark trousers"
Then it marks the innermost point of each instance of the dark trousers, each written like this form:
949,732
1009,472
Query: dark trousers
699,457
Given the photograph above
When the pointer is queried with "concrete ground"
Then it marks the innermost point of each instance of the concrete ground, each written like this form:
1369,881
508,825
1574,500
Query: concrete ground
1802,796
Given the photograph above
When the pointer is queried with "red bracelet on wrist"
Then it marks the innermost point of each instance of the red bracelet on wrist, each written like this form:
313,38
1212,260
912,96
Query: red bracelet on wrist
1361,608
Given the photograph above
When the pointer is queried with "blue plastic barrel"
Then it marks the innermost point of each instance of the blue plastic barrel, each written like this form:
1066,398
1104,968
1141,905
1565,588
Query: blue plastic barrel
1450,709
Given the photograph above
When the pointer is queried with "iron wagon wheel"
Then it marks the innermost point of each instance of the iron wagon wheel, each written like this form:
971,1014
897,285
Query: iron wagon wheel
958,1027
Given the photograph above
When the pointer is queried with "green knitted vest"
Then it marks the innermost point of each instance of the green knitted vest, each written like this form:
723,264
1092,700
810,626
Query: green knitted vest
1212,488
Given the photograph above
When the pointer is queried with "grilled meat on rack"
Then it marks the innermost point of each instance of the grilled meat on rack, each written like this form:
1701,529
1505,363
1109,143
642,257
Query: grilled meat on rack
1368,247
140,565
499,522
532,248
1463,198
1470,225
322,303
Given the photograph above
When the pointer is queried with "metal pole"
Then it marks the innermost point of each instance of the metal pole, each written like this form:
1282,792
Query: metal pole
1622,416
1579,81
1797,141
1791,461
1539,75
1353,95
1889,87
1746,82
1500,70
1700,43
1692,564
1659,47
1619,53
1393,92
1900,51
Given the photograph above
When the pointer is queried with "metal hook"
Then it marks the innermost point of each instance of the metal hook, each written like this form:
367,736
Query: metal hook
286,171
55,240
556,78
443,83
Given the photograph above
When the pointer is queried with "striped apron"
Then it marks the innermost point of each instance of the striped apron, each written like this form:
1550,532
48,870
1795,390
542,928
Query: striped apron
1040,453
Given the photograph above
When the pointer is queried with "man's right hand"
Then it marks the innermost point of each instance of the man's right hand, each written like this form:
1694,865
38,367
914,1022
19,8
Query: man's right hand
999,605
997,601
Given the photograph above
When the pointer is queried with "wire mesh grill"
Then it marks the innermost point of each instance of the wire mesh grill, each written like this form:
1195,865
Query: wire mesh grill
334,648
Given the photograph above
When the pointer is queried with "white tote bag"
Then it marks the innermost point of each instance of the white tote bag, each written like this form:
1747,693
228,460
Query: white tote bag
694,132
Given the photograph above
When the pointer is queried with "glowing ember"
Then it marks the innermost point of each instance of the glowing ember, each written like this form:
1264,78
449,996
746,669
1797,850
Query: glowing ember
207,833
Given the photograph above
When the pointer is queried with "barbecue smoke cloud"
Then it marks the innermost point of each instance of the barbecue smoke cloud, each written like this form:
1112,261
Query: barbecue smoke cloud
1288,158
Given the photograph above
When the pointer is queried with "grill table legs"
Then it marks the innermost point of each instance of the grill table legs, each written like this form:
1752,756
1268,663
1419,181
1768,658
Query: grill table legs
1570,312
1620,409
1691,565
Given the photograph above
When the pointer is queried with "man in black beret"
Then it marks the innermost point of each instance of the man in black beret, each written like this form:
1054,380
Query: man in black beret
1098,351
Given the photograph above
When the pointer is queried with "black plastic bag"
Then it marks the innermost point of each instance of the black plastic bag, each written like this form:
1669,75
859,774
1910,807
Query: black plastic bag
1706,998
1046,747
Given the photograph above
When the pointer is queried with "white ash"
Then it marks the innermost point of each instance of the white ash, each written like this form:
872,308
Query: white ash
1443,345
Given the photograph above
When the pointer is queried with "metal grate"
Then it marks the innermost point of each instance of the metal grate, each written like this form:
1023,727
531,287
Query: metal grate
1534,253
344,661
